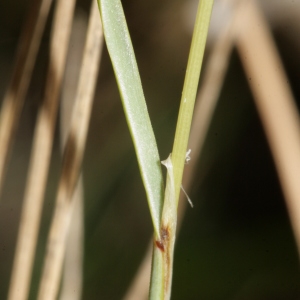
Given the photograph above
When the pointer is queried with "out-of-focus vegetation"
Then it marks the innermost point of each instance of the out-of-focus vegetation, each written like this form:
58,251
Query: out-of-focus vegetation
236,243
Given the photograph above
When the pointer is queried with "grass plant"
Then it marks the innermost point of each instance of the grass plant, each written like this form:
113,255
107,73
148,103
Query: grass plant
163,212
271,94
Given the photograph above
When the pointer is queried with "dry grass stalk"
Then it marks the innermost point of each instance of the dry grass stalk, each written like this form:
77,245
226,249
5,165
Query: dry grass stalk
213,78
73,264
72,160
18,86
275,104
72,276
41,154
139,287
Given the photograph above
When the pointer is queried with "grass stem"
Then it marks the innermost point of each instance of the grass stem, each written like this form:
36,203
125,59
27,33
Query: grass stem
72,159
275,104
41,154
16,92
189,91
163,252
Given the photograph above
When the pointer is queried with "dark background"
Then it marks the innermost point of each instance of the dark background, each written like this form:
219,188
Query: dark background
236,243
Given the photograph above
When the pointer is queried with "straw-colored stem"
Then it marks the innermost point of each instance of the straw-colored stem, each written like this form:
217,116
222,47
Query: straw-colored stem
72,160
41,154
275,104
18,86
72,279
72,276
139,287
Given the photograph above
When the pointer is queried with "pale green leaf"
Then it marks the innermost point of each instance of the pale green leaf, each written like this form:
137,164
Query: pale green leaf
125,67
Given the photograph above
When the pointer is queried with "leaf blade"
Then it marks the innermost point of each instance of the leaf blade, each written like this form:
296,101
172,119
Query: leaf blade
128,79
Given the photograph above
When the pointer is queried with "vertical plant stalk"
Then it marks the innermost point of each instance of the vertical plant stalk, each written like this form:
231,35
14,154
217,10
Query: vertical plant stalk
275,104
162,266
207,98
189,91
72,159
72,276
166,242
72,279
41,154
18,86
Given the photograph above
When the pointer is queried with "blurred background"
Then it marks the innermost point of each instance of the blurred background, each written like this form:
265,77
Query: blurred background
237,242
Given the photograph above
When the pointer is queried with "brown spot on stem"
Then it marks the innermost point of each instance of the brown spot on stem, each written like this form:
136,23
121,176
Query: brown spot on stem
165,234
165,237
160,245
163,243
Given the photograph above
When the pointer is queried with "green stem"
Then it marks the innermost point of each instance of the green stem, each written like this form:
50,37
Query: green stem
163,249
189,91
156,291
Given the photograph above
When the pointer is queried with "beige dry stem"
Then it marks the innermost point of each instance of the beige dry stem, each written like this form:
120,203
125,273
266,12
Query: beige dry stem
72,276
41,154
72,159
275,104
22,72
